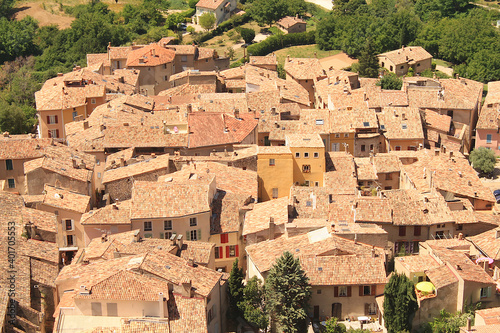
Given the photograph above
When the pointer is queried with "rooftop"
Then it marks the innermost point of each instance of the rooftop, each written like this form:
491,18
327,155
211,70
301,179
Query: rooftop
65,199
409,54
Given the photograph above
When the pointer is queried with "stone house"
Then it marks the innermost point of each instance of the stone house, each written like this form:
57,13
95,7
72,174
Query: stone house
221,9
400,61
291,24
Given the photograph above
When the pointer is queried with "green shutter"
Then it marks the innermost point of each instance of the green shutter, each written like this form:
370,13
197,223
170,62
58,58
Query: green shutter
489,292
187,235
162,235
199,234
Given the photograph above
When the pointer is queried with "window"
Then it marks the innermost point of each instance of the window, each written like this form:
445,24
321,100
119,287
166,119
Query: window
272,162
167,225
75,114
343,291
275,193
485,292
168,235
460,227
318,291
367,290
319,122
418,64
9,165
398,148
297,155
337,135
112,309
219,254
371,147
232,250
54,133
165,78
306,183
388,176
69,225
194,235
417,230
184,58
402,67
346,135
193,222
92,101
69,240
99,175
388,188
12,183
51,119
306,168
363,148
98,162
391,68
306,155
148,226
413,148
308,203
402,231
96,309
224,238
488,138
316,155
316,184
371,309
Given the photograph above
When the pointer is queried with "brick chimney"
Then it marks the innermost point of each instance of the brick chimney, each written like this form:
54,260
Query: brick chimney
272,228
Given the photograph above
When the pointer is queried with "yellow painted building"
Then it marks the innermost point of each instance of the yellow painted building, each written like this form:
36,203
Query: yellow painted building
308,152
275,172
342,142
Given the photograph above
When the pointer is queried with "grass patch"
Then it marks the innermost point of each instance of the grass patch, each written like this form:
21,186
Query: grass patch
303,51
442,63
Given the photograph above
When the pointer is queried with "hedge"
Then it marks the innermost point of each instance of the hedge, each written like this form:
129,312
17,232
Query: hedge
188,13
277,42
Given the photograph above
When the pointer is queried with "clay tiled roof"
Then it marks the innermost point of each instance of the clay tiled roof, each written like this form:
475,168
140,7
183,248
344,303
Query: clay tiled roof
42,220
288,21
258,219
94,59
409,54
340,177
221,103
494,328
441,276
401,123
165,199
490,316
41,250
346,121
488,242
187,315
438,121
142,136
344,270
150,55
159,163
386,163
457,94
119,52
190,72
118,213
64,199
44,272
272,150
189,90
489,117
23,148
365,169
200,252
303,141
303,68
183,49
263,60
212,129
419,263
265,253
368,210
210,4
310,202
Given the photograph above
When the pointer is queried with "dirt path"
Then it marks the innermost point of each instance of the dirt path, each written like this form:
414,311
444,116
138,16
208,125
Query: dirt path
44,17
337,61
328,4
448,71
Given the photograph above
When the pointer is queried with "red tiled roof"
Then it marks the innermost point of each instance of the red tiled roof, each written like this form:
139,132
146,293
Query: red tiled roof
150,55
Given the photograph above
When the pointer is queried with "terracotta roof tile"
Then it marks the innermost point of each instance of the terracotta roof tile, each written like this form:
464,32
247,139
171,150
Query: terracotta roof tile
187,315
419,263
67,200
488,242
110,214
150,55
289,21
23,148
142,136
42,220
401,123
258,219
441,276
438,121
210,4
157,164
263,60
302,68
340,177
409,54
490,316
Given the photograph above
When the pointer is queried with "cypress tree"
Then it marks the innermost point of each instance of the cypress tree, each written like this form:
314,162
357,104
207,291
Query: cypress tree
235,291
400,304
287,294
368,61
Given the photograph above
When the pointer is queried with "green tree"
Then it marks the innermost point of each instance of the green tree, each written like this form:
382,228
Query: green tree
400,303
247,34
235,291
268,11
287,294
368,61
333,326
192,3
207,21
483,159
390,81
253,306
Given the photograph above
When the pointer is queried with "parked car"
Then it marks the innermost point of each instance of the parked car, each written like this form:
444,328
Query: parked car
496,193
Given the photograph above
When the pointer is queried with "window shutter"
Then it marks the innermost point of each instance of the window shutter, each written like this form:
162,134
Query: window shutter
162,235
49,134
489,291
360,290
367,309
188,235
237,251
227,251
349,291
335,291
373,290
56,119
199,234
48,119
57,133
221,252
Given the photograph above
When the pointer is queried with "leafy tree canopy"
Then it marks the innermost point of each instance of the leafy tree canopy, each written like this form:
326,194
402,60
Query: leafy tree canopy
253,305
400,304
207,21
390,81
235,291
483,159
